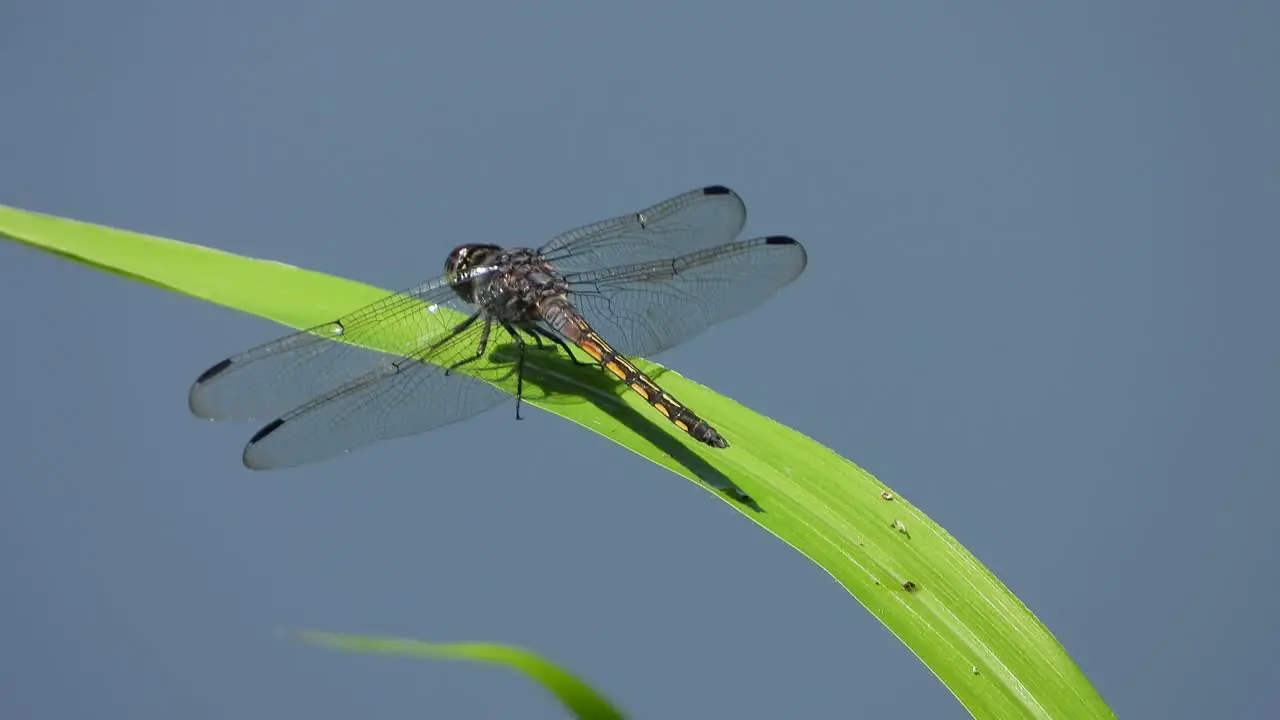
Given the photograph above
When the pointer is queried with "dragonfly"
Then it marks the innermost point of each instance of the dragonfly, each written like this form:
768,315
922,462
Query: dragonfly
629,286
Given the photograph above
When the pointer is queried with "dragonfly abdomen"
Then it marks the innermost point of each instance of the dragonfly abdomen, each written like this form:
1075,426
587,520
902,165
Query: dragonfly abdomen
569,323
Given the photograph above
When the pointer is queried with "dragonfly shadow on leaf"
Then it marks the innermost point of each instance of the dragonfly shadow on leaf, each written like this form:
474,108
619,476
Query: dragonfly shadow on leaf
552,379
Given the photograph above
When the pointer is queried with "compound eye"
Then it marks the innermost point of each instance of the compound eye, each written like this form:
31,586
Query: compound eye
456,261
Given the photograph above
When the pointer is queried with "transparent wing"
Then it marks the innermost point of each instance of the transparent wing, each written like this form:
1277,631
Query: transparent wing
281,375
644,308
692,221
404,397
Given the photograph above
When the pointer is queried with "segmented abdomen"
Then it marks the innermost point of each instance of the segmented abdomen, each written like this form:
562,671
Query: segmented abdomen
564,319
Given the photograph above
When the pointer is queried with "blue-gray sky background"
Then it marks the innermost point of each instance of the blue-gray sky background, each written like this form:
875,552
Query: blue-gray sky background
1043,255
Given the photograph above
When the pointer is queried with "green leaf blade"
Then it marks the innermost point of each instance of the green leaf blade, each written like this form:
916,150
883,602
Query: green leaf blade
577,696
957,617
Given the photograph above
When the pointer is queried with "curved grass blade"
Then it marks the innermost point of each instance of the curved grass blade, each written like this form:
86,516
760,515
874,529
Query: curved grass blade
576,695
968,628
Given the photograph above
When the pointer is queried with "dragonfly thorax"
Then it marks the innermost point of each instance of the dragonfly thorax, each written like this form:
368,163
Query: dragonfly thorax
508,283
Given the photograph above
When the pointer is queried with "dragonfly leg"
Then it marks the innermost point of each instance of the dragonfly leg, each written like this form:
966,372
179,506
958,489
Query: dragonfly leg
539,332
519,366
457,329
480,347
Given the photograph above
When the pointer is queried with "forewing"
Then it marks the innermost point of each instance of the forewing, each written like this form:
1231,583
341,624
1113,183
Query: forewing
692,221
645,308
281,375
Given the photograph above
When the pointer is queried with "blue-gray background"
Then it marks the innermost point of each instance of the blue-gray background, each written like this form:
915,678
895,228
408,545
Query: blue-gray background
1042,253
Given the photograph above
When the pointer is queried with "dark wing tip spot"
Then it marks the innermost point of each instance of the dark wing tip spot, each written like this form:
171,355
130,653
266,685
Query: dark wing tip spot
208,375
266,430
716,190
781,240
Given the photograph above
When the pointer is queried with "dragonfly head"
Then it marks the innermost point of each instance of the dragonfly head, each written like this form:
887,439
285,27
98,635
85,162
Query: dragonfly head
461,264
